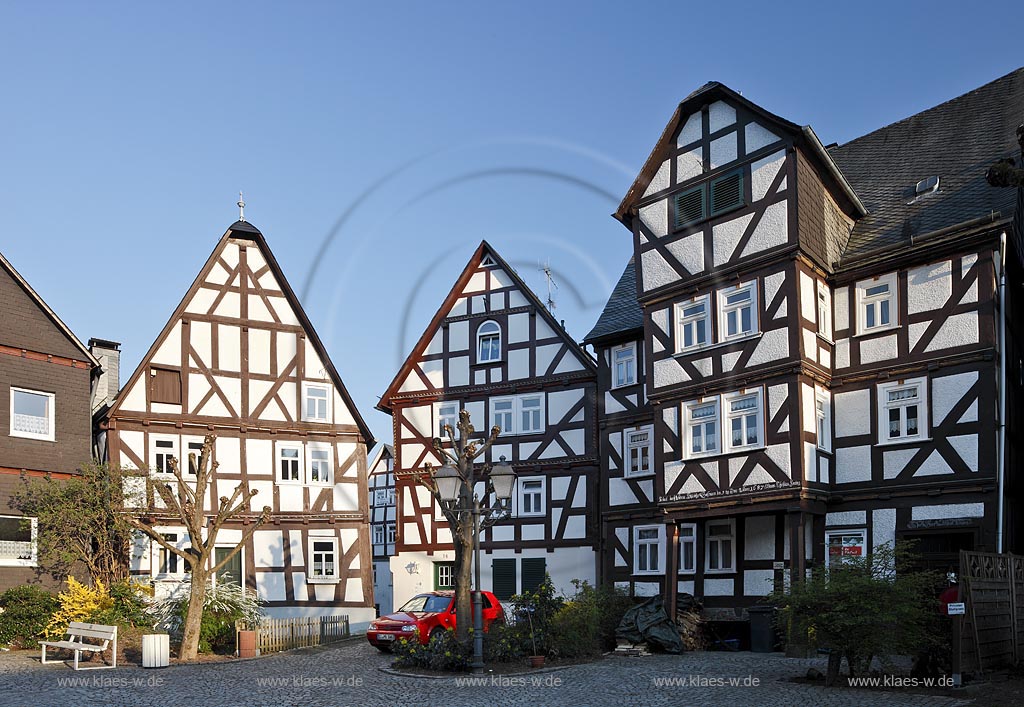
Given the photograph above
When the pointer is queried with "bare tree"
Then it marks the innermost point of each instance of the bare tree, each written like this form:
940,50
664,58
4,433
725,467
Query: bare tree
187,505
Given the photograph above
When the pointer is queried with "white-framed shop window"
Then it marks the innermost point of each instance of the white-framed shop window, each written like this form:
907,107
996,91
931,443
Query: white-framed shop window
639,451
720,546
737,311
530,493
316,402
289,463
744,414
844,545
446,414
323,559
903,410
18,545
624,365
823,418
318,464
687,548
877,304
648,549
693,323
32,414
700,428
162,450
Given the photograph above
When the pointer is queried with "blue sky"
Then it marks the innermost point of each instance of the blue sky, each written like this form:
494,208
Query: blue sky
128,129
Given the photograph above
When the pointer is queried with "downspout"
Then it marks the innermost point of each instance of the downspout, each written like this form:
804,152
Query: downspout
1001,461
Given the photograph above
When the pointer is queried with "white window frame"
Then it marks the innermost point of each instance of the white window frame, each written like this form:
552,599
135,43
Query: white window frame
682,322
51,404
830,533
32,561
688,426
324,387
884,406
441,417
390,533
724,310
658,553
728,415
311,448
172,451
192,445
510,414
378,534
628,364
164,557
865,301
631,443
539,494
323,578
690,541
299,459
712,547
823,300
479,339
823,419
521,411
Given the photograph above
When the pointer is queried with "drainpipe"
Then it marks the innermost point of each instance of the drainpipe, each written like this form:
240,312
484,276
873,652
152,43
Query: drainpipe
1001,461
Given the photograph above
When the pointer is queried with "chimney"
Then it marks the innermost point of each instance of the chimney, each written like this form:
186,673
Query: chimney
108,353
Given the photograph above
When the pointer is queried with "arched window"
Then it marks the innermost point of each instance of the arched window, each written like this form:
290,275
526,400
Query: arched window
488,342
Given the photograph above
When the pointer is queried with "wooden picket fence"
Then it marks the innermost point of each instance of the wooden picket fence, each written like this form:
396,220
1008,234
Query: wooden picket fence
992,589
273,635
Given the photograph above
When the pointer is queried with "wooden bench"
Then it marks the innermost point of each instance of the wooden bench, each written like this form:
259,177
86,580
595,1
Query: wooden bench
75,641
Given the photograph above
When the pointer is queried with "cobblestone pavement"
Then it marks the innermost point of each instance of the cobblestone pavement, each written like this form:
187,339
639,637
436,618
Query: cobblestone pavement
348,674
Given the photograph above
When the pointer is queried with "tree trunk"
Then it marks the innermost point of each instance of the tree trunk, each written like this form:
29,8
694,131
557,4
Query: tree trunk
194,618
835,662
463,577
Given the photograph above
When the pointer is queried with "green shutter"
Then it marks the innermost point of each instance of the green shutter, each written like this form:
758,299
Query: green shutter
727,193
534,571
689,207
503,578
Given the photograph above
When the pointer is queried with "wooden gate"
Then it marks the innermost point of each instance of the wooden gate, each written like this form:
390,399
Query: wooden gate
992,588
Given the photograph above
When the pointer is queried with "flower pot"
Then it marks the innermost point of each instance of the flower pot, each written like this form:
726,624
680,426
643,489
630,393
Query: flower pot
246,644
536,661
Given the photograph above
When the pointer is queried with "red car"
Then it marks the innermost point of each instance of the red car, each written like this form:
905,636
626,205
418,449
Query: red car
430,613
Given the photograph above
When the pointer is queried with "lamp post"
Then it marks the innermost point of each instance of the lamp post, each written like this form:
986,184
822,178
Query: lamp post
454,487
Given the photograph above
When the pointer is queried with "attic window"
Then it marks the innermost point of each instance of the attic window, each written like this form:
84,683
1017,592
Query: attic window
926,186
487,262
727,193
690,207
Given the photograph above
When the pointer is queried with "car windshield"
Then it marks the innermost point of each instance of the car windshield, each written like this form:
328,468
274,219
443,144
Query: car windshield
427,602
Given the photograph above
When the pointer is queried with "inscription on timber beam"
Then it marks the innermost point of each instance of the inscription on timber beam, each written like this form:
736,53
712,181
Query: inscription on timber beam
724,493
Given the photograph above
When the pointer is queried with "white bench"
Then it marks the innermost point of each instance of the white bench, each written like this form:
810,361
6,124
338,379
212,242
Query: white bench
75,641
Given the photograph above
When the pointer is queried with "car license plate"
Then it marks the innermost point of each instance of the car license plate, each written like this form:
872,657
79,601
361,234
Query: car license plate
385,636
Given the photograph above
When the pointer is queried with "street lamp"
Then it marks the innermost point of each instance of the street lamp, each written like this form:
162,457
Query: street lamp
452,485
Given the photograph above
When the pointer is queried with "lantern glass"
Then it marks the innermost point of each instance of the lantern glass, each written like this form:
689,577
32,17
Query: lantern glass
447,479
503,478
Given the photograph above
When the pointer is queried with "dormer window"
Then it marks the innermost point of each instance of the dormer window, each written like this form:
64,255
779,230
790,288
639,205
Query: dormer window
488,342
316,403
720,195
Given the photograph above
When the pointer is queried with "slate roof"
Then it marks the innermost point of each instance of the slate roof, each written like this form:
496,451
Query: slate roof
622,312
956,141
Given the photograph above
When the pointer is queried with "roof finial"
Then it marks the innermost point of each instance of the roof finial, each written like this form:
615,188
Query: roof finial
241,207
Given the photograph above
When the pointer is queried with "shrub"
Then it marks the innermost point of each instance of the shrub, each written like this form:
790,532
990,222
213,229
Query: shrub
79,603
585,625
443,652
129,607
225,604
25,613
533,613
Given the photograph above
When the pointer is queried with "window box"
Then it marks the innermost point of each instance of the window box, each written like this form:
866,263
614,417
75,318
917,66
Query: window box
32,414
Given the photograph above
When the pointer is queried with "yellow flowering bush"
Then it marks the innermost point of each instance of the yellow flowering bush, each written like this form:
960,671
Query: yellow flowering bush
78,603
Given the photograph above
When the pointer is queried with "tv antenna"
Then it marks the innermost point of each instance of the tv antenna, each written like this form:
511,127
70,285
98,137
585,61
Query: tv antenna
552,285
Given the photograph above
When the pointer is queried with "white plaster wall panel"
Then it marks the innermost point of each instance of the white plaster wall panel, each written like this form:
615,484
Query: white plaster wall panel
458,371
846,518
655,217
575,439
284,311
217,275
353,590
545,355
807,408
670,416
660,181
934,465
758,583
287,393
659,318
201,301
811,463
622,534
729,360
808,305
720,115
500,450
579,499
259,458
881,348
824,357
615,445
723,150
763,172
948,510
500,279
169,353
421,418
134,399
771,230
268,548
270,586
517,299
458,336
671,471
971,295
411,533
957,330
477,282
533,531
258,310
342,414
759,538
685,587
346,497
929,286
779,453
228,454
230,253
725,236
568,364
348,538
475,409
772,283
966,447
689,251
213,407
434,371
947,391
198,387
559,487
289,497
757,136
297,548
559,402
543,330
843,353
883,526
704,366
691,130
823,468
810,340
436,343
647,489
852,412
718,587
772,346
259,351
668,372
518,328
502,533
853,464
759,476
315,368
230,347
611,405
646,589
655,271
519,364
689,165
575,528
841,308
229,306
778,395
287,349
300,588
497,301
895,460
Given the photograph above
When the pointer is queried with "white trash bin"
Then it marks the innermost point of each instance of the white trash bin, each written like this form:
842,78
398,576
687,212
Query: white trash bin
156,650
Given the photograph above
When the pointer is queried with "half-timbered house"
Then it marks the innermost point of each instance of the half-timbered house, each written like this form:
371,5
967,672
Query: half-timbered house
819,335
46,379
494,350
381,484
239,359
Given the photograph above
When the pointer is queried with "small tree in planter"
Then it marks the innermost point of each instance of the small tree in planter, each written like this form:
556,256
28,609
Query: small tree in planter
864,607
